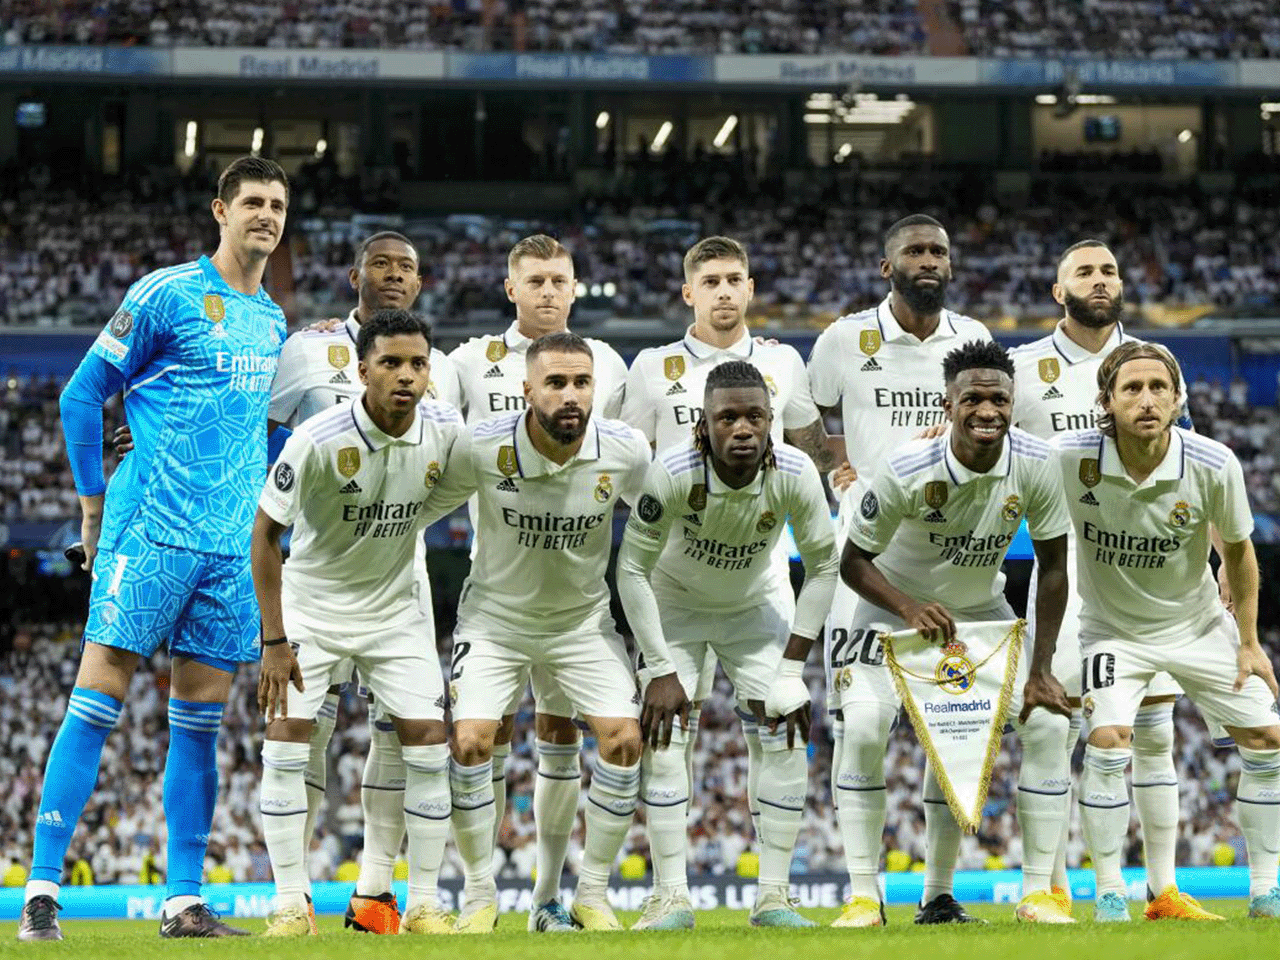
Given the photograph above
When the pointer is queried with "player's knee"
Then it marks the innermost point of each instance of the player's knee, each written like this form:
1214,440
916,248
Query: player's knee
1110,738
420,733
506,730
619,743
1153,730
1044,731
472,744
1256,738
866,737
290,730
558,730
106,670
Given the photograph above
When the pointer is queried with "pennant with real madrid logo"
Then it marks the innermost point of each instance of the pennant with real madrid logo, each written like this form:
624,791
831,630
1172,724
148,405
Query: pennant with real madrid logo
957,696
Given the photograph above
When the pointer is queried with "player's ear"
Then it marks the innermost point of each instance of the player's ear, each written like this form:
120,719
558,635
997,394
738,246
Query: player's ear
1059,294
219,211
751,288
686,291
362,369
509,286
353,277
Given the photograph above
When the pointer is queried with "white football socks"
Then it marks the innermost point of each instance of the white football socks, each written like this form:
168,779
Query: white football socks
1044,781
784,776
611,807
317,775
427,811
283,805
664,791
942,840
1104,814
382,800
1155,792
861,789
1258,809
555,811
1060,878
472,800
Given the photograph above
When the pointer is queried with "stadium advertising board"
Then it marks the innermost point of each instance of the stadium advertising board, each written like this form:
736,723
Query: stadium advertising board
103,61
258,64
817,70
1109,74
579,68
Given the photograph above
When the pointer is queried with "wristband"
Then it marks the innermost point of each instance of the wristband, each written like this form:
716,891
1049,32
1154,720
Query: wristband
790,668
275,643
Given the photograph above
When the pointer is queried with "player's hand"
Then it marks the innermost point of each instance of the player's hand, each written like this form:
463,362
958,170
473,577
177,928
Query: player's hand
766,342
931,433
1044,690
122,441
842,477
90,528
279,668
1224,590
324,326
664,700
788,700
1254,662
932,620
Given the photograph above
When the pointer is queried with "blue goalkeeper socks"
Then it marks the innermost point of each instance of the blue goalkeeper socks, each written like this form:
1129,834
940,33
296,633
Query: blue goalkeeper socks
69,777
190,790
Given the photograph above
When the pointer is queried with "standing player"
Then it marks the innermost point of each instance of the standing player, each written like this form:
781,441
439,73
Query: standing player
924,552
663,388
317,370
546,481
1142,494
540,283
728,490
194,347
880,366
1057,391
353,482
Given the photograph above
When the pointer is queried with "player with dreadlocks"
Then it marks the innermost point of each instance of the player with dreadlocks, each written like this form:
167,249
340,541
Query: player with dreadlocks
693,573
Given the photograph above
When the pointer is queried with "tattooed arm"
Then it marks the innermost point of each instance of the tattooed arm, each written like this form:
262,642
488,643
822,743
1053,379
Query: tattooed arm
826,451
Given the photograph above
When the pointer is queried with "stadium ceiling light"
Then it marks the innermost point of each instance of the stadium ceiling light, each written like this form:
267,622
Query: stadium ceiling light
726,130
664,132
845,150
189,147
1048,99
610,288
817,118
602,119
321,146
257,141
1185,136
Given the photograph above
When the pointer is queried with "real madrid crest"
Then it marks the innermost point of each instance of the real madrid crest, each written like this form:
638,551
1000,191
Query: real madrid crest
507,463
1012,509
496,351
673,367
1180,515
935,493
433,474
773,387
213,308
955,671
339,355
348,461
1049,369
766,522
604,488
869,341
698,497
1090,473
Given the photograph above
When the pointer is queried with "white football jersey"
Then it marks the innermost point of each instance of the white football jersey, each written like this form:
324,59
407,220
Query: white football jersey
942,531
318,370
665,386
716,541
491,372
1143,549
887,381
357,501
543,530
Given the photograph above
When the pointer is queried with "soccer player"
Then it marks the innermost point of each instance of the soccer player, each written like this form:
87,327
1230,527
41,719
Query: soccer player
664,387
353,482
695,573
924,552
881,367
1056,391
546,480
319,369
540,283
1142,494
194,347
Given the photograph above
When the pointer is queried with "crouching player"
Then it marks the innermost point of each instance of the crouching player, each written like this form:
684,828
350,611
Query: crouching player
694,572
354,481
1143,495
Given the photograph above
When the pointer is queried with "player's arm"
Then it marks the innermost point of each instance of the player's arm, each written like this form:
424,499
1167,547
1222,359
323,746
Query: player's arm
1042,688
637,410
811,523
826,451
1242,574
458,481
876,520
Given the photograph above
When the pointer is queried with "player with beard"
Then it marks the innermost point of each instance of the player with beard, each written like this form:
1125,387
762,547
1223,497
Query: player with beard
1056,386
880,366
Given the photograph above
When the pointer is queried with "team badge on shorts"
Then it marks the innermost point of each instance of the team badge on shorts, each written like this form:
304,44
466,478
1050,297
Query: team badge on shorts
1180,515
1049,369
954,672
604,488
507,463
766,522
121,324
214,308
869,341
1090,473
339,356
1012,509
935,493
433,474
673,367
844,680
1088,707
496,351
698,497
348,461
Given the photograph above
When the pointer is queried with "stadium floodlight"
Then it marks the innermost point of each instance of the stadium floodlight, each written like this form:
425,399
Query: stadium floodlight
726,130
664,132
1185,136
610,288
321,146
257,141
189,147
602,119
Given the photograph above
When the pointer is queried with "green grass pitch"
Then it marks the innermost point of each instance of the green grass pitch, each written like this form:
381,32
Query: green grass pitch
720,934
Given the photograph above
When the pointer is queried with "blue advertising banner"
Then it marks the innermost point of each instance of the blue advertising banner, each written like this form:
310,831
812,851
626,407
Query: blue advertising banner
579,68
1107,74
102,61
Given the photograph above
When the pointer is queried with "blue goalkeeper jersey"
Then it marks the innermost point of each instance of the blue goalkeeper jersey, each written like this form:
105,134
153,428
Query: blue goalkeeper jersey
198,359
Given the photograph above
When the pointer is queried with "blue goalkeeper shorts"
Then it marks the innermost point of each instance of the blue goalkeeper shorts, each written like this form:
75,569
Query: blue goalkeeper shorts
146,595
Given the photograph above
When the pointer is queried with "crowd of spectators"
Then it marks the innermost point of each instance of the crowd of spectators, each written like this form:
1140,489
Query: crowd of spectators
1252,432
122,834
600,26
